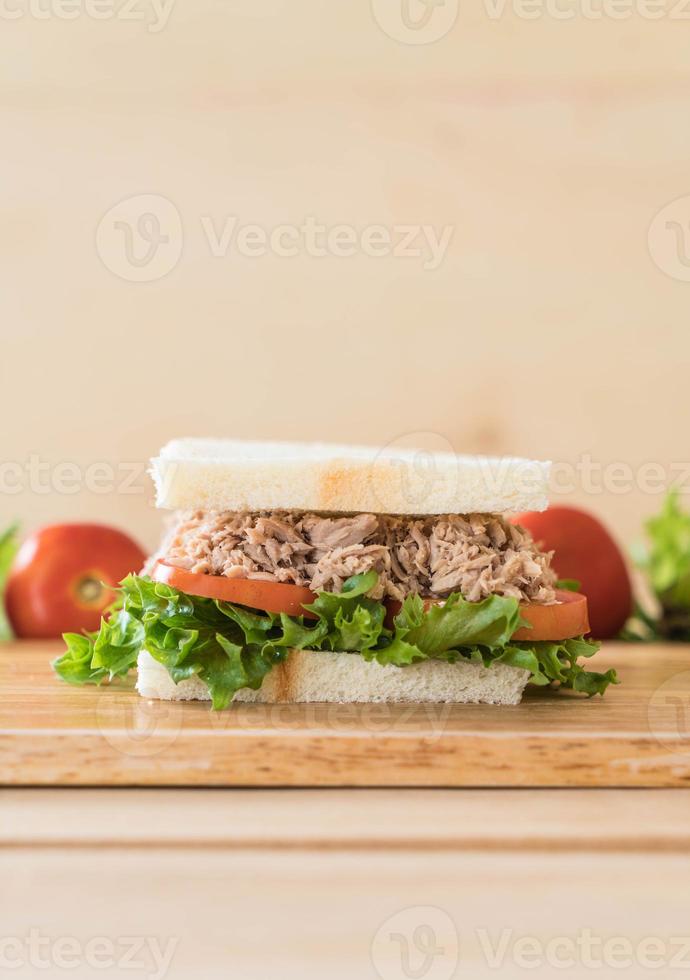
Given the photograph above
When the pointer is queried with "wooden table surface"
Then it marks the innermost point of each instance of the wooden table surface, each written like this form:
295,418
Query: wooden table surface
340,883
308,884
637,735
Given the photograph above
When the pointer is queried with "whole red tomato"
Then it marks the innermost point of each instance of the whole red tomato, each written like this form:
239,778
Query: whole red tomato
59,579
584,550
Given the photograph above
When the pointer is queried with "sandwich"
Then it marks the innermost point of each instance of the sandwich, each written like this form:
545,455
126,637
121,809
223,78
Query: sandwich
326,573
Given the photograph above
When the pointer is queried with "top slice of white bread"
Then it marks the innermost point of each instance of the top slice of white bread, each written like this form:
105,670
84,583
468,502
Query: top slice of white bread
220,474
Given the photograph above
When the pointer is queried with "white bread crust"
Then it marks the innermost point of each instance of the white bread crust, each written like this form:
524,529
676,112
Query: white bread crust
250,476
318,676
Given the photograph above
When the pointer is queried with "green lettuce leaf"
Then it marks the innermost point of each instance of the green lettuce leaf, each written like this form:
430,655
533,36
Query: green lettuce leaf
228,647
231,647
8,549
668,560
354,623
666,563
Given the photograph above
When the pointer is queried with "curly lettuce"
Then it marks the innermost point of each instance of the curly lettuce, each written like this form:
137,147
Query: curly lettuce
230,647
666,564
8,549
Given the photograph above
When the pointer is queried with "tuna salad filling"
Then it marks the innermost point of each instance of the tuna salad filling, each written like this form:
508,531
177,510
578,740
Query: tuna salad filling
476,555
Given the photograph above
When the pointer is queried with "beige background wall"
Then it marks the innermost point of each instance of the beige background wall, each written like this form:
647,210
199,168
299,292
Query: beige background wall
547,145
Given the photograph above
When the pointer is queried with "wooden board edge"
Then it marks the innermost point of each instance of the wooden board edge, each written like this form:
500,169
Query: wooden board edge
346,761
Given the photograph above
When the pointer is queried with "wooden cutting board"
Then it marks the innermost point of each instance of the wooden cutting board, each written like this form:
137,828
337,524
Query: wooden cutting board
637,735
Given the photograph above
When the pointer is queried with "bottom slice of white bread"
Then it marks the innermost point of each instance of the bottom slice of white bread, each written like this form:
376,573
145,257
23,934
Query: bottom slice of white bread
313,676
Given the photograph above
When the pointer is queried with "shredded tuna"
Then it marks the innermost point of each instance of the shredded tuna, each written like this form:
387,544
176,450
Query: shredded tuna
476,555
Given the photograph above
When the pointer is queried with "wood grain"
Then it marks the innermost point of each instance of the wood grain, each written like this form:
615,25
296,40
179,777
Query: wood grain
312,883
306,915
637,735
331,820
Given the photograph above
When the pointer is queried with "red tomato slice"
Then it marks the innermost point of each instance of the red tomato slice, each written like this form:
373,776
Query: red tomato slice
586,551
567,618
561,621
275,597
